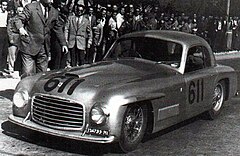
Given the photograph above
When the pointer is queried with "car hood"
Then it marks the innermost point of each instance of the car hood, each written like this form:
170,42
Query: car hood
94,78
115,72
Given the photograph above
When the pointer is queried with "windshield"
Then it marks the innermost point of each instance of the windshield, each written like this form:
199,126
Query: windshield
159,51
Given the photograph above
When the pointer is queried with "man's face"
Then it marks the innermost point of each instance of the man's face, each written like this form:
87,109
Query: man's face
104,13
137,11
79,10
4,6
114,15
122,11
131,8
109,13
62,4
19,10
90,11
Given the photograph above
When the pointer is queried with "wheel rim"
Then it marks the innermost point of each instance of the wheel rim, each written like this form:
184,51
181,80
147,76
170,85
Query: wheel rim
218,97
133,123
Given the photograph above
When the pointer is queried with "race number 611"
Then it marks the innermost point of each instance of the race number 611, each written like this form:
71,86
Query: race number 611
54,82
195,94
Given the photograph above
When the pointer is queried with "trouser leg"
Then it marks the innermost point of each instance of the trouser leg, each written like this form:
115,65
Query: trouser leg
12,54
41,61
27,65
3,47
72,56
81,57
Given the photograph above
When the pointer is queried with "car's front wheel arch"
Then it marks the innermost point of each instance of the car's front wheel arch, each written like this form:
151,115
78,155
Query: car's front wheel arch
145,109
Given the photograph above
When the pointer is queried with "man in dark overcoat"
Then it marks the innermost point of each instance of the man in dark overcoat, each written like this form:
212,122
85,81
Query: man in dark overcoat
35,25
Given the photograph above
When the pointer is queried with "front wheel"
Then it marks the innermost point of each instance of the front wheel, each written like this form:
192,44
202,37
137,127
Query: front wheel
133,127
217,101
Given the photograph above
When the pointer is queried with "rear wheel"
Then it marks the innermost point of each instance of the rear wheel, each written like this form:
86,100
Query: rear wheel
217,101
133,127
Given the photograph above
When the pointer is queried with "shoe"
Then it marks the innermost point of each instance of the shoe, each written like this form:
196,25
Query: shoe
4,74
68,66
7,71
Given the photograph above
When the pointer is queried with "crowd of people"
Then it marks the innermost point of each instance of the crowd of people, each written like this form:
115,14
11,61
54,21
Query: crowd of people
49,34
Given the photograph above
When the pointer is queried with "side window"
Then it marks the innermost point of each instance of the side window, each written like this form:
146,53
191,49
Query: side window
122,49
197,58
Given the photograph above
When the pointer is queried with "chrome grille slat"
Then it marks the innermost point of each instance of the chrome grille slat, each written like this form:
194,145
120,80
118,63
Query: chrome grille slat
58,104
49,97
63,113
51,107
59,124
56,112
58,116
52,119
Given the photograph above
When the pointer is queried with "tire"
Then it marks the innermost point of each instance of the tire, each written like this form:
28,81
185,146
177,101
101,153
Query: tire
133,127
217,101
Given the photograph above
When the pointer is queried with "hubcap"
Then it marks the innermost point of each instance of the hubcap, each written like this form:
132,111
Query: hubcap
133,123
218,97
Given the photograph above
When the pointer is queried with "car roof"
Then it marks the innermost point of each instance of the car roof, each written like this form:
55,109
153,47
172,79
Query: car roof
174,36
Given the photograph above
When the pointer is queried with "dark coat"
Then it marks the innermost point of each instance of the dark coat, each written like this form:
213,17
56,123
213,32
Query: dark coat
13,33
78,34
38,28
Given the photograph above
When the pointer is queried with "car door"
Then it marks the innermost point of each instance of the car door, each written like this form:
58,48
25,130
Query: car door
199,79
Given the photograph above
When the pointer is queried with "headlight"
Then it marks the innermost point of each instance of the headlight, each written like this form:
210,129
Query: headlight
20,98
98,115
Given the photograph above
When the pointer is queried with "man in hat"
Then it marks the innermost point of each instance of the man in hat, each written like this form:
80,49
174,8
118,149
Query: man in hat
35,24
78,34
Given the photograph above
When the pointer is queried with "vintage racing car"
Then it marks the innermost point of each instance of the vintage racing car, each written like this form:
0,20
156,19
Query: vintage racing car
146,82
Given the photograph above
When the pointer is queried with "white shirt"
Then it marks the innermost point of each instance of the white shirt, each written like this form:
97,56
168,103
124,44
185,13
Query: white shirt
103,21
120,20
113,24
90,18
3,19
79,19
43,10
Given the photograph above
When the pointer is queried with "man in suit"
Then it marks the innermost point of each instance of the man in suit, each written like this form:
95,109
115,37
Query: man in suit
35,24
78,34
93,22
91,16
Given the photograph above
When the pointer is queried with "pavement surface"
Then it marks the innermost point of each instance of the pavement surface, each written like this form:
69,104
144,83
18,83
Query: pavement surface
196,137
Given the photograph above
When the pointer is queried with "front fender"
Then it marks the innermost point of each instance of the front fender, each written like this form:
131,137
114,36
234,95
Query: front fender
118,104
25,84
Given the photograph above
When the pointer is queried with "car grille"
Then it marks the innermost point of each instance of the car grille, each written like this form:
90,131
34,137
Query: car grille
57,113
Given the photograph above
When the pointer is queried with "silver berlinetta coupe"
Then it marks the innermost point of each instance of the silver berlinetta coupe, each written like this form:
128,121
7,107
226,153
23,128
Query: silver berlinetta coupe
146,82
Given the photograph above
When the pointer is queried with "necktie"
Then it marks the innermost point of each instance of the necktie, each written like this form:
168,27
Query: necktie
46,13
77,22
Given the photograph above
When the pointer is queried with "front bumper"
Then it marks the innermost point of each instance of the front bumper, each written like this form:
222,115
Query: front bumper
65,134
